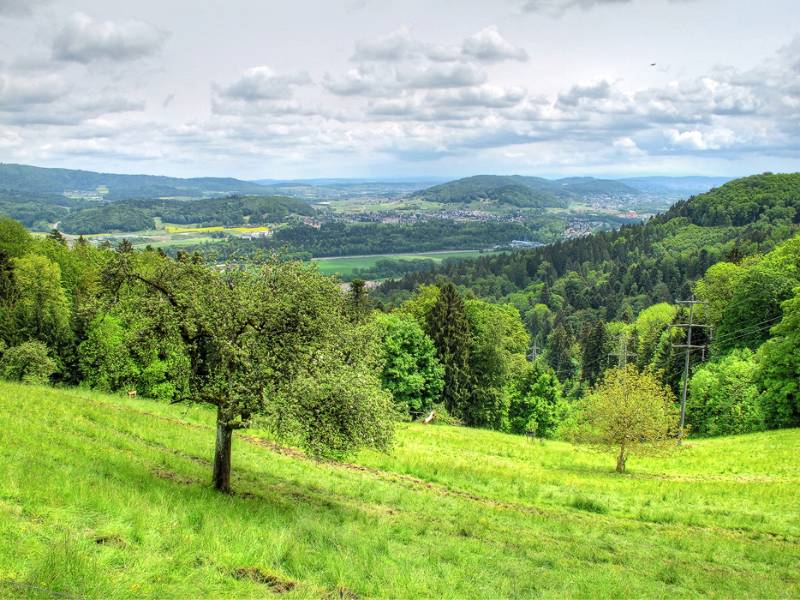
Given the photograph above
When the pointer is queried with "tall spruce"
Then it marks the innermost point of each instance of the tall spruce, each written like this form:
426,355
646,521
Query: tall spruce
448,327
594,355
358,300
560,352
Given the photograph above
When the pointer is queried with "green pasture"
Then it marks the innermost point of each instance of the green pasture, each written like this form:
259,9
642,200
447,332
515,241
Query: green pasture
107,497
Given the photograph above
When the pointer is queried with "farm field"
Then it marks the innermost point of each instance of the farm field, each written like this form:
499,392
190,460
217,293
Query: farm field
345,265
107,497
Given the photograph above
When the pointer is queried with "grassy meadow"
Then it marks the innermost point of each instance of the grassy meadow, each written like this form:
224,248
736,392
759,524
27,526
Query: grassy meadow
345,265
107,497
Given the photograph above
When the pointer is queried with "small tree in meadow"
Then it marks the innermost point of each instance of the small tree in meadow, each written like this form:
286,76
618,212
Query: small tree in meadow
628,412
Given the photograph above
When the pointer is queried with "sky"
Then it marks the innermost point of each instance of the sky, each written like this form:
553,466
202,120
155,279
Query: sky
386,89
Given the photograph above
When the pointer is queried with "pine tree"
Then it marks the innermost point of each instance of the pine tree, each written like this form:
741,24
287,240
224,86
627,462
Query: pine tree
594,353
358,301
57,236
448,327
560,352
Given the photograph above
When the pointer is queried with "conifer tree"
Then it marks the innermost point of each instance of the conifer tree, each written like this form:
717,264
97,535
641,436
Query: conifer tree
448,327
560,352
594,353
358,300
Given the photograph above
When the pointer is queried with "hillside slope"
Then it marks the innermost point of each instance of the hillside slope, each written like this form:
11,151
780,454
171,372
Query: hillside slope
640,264
104,497
521,191
33,181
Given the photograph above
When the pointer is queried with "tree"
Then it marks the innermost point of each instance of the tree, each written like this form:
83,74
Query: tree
411,371
359,301
648,327
41,309
537,404
448,327
629,411
594,353
778,373
105,357
28,362
756,301
561,352
723,397
14,238
498,345
274,345
57,237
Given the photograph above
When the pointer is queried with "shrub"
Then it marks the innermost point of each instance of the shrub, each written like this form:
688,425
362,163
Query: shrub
28,362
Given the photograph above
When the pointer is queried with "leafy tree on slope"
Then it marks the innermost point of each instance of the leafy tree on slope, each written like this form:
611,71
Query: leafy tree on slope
628,412
274,345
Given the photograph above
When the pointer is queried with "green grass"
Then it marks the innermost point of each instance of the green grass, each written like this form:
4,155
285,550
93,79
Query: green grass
106,497
345,265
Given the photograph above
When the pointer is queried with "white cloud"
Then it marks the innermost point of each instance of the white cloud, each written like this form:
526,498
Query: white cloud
712,139
18,93
440,75
84,39
262,83
488,45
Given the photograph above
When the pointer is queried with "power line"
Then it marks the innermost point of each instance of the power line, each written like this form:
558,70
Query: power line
622,353
689,347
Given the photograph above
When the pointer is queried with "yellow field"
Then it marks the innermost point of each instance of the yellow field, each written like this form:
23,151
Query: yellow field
174,229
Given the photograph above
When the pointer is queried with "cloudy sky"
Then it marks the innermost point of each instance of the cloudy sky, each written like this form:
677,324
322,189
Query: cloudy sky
380,88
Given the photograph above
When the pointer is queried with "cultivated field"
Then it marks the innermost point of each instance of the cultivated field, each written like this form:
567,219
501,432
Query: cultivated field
104,497
345,265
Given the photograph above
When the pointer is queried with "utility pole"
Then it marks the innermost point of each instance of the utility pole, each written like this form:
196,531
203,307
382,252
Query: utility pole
622,353
534,352
687,357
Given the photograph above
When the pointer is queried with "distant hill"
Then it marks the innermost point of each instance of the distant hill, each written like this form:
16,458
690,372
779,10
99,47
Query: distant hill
25,180
522,191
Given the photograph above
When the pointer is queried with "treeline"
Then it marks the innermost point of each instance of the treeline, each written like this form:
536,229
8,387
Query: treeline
342,239
38,182
348,239
137,215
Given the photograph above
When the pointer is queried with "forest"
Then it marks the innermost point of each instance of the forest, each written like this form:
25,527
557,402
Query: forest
349,239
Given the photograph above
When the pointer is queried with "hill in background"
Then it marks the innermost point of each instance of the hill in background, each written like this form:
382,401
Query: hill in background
35,181
522,191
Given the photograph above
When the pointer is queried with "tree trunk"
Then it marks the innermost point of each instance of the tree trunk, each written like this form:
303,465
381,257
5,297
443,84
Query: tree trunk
621,459
222,458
